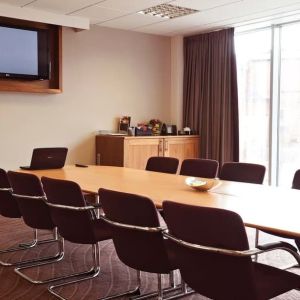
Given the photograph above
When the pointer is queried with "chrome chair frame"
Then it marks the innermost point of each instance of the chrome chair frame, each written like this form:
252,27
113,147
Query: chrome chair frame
277,246
236,253
136,291
85,275
25,265
26,245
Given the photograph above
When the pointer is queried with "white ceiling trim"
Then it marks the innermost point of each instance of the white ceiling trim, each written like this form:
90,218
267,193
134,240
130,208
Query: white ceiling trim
30,14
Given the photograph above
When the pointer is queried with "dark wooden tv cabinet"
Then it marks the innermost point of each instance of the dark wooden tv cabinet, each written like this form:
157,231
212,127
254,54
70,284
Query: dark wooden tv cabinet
54,84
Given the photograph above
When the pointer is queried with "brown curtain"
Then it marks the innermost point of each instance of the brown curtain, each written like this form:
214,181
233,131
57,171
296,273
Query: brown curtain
210,99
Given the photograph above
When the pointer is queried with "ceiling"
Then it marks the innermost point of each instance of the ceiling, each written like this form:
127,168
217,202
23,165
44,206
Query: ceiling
122,14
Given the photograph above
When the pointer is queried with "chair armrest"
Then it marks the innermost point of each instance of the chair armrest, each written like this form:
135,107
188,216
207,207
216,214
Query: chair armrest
276,245
236,253
74,208
96,205
69,207
29,197
6,189
129,226
281,246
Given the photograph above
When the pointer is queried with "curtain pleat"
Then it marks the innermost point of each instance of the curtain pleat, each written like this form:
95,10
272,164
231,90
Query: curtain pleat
210,99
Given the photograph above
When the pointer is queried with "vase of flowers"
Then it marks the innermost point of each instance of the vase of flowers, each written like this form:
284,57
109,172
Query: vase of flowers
155,124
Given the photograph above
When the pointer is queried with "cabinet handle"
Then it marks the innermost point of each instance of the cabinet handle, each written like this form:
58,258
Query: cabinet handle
166,146
160,146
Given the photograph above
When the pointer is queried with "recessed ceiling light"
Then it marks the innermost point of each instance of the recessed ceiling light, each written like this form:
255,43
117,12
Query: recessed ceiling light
168,11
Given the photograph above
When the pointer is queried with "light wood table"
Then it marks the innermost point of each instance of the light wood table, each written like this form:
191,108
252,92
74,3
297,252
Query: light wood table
262,207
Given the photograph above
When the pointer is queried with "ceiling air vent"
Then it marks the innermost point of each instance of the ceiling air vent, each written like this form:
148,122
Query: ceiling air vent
168,11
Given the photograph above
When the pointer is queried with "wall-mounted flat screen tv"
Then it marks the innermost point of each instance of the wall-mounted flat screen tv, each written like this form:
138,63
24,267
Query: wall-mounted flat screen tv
24,53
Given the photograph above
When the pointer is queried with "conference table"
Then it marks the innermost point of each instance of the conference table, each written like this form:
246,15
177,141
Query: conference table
261,207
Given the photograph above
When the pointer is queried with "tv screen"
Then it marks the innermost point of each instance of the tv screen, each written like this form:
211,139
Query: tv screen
23,53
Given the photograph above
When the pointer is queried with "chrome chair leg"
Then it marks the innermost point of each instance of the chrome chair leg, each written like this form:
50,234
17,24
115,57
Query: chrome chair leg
159,287
134,294
25,246
85,275
29,264
98,209
256,243
184,292
22,246
182,288
172,279
135,291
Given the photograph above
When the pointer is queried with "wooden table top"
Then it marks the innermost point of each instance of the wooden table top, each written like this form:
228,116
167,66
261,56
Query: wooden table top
261,207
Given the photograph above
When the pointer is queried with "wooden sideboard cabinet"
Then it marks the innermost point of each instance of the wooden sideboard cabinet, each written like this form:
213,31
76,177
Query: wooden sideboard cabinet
133,151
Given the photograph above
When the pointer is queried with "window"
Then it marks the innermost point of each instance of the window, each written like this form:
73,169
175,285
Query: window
254,64
289,114
268,63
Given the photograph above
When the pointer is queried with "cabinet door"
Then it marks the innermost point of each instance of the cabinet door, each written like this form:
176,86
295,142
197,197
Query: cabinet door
182,148
109,150
137,151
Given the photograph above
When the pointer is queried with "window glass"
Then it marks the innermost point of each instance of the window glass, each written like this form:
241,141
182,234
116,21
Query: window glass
289,113
253,51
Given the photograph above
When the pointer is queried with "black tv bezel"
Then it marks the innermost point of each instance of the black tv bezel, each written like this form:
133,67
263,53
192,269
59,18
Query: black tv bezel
21,76
29,76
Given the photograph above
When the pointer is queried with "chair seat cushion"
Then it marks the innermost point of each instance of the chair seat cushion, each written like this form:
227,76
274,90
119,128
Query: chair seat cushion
272,282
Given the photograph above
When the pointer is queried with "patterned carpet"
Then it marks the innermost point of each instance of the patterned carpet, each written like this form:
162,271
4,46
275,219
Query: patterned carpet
114,278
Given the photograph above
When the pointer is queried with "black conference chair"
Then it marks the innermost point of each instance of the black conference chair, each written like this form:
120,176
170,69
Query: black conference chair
162,164
243,172
76,222
296,185
137,237
296,180
199,167
9,208
29,194
216,262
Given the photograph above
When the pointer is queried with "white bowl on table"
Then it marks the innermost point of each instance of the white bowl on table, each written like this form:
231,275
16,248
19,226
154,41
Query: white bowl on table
202,185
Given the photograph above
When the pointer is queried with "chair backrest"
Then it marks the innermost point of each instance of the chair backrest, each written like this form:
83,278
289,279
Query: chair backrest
35,212
213,275
162,164
141,250
74,226
8,205
243,172
199,167
296,180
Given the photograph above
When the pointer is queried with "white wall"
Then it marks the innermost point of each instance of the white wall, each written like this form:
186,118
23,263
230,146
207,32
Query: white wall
107,73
